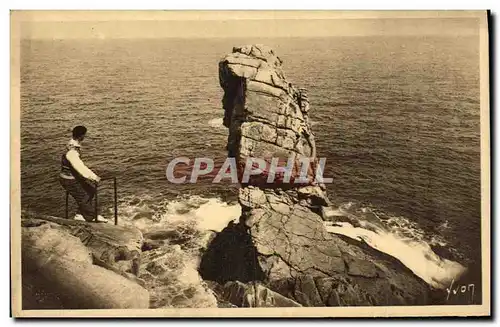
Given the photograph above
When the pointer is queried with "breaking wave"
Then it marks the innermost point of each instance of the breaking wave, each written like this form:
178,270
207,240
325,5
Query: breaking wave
192,220
398,237
196,218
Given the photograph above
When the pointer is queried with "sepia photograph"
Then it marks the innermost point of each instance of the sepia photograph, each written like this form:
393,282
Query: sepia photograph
250,163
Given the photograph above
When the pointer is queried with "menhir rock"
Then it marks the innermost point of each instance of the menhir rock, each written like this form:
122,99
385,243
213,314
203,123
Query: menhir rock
266,115
280,240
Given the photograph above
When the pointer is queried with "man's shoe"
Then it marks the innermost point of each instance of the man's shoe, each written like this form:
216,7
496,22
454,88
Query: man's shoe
101,219
79,217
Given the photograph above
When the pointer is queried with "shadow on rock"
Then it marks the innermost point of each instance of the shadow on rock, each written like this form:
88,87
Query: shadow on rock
231,256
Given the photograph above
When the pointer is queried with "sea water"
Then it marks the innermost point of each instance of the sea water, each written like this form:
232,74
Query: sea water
396,117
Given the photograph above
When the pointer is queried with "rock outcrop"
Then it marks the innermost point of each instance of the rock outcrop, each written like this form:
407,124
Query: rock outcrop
117,248
280,240
251,295
68,264
72,265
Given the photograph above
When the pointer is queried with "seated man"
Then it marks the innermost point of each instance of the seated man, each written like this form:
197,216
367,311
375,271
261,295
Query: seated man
78,179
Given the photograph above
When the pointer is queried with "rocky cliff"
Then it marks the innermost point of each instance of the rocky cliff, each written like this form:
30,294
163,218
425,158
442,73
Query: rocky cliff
280,241
68,264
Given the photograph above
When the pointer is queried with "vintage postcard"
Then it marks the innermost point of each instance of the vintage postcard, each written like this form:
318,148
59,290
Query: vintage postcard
250,164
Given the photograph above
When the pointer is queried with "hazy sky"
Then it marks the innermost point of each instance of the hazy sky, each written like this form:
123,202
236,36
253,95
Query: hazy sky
126,26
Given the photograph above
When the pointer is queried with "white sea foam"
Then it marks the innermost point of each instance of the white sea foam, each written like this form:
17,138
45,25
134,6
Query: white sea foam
213,214
207,214
400,238
396,236
195,218
417,256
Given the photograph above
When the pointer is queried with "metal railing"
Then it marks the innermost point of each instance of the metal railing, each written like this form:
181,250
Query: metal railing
96,205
